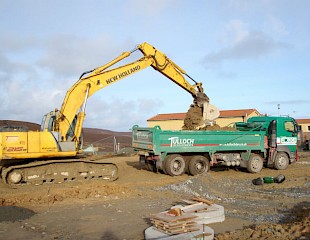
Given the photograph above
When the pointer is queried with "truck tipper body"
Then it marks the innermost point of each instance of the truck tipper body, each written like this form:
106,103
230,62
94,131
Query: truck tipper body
261,141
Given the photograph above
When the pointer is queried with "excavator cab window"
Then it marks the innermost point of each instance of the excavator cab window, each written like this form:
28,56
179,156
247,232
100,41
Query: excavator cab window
70,133
42,123
47,122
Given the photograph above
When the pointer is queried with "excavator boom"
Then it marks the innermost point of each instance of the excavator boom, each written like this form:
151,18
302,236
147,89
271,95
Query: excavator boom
103,76
52,154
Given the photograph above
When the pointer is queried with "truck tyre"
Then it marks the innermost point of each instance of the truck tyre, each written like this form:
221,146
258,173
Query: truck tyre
149,166
255,163
198,165
174,165
281,161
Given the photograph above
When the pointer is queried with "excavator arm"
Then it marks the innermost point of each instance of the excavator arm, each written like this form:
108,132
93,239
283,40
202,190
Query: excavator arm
73,107
50,154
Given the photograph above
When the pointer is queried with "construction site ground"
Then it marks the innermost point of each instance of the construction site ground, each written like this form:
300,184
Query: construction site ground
95,209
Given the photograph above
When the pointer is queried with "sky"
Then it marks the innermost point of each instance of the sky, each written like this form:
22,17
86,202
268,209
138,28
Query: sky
247,54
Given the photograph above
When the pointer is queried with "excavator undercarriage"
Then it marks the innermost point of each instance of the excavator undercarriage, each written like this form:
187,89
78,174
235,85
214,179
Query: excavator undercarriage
58,171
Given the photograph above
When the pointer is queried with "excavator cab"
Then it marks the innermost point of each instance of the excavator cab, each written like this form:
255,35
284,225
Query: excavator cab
48,121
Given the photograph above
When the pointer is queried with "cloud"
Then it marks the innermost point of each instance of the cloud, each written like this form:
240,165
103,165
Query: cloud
32,88
233,32
119,114
11,42
240,43
227,74
275,26
252,46
26,104
10,68
69,55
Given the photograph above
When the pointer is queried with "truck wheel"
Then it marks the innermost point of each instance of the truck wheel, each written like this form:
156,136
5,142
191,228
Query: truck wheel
281,161
255,163
149,166
198,165
174,165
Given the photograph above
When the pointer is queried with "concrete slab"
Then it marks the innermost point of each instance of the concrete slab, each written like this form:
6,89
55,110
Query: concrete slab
204,232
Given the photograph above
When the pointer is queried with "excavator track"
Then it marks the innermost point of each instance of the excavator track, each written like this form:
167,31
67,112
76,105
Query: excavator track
58,171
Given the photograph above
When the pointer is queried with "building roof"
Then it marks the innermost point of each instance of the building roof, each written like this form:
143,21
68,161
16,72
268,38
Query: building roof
223,114
237,113
301,121
168,116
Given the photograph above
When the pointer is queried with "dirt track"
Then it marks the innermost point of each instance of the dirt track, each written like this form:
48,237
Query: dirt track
121,210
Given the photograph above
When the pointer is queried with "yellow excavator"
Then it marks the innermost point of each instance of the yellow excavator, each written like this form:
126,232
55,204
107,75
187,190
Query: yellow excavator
54,154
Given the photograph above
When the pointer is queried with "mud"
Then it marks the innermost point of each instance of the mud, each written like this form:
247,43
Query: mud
216,127
13,213
193,121
299,229
95,209
193,118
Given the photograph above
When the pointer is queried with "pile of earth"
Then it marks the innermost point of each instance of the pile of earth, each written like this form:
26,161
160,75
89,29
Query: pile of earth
298,228
193,121
216,127
50,194
193,118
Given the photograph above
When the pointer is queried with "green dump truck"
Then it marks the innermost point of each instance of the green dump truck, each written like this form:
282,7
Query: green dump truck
261,141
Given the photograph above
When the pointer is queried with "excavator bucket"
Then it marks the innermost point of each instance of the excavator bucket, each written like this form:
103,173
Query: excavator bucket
200,114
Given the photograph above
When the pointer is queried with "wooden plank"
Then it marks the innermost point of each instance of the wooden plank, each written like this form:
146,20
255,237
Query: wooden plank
195,208
203,200
188,201
179,226
175,226
176,229
192,205
172,223
168,218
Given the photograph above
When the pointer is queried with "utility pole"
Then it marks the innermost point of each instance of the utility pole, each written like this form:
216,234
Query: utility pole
114,144
278,109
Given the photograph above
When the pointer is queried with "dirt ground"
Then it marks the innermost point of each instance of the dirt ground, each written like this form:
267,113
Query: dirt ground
96,209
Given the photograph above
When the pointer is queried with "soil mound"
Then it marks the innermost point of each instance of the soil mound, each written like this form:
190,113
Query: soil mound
297,230
193,118
216,127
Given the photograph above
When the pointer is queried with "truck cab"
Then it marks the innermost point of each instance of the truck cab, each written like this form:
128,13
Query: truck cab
282,136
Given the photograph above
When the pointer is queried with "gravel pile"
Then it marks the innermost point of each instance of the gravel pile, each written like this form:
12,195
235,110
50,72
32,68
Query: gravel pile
241,198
